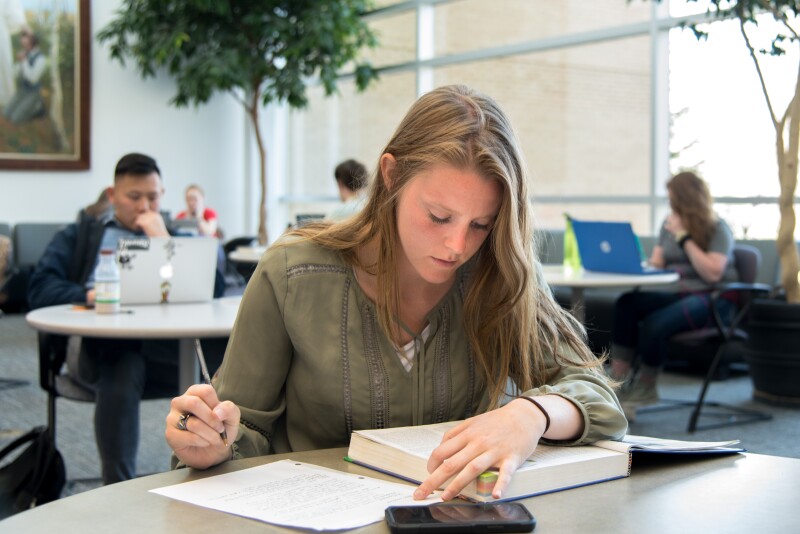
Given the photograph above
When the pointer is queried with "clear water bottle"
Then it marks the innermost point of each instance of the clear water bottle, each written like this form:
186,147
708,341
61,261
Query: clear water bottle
106,283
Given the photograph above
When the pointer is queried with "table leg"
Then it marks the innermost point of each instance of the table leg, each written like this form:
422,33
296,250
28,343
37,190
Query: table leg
578,306
188,371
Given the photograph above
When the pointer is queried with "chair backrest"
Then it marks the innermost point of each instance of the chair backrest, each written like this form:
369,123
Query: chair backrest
550,246
236,242
30,241
747,260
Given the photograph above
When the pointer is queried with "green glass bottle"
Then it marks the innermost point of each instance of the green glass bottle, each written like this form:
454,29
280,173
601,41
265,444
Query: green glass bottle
572,256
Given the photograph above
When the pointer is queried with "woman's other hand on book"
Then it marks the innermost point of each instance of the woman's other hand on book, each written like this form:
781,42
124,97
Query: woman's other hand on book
195,423
501,439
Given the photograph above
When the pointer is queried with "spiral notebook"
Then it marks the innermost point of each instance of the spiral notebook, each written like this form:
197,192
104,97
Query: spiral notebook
167,269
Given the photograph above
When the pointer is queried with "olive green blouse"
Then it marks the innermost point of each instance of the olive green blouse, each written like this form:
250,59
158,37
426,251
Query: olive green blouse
308,363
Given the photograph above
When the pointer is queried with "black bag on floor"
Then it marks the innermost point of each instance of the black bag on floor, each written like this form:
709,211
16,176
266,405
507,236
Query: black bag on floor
35,476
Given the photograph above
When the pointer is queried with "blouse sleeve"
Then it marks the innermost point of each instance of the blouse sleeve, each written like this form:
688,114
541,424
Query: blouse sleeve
589,391
258,357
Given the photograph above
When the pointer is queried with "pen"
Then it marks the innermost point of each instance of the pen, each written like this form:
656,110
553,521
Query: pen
207,379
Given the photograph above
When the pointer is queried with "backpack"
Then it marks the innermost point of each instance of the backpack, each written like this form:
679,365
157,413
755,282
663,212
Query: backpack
35,476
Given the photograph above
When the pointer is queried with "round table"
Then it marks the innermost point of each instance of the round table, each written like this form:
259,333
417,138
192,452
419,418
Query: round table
247,254
579,279
664,494
184,322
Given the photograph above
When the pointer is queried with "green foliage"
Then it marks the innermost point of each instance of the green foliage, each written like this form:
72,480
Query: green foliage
262,47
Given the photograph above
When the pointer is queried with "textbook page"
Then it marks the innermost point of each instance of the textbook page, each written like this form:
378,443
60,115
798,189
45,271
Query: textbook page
296,494
415,440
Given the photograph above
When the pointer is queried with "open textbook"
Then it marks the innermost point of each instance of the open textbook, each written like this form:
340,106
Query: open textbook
403,452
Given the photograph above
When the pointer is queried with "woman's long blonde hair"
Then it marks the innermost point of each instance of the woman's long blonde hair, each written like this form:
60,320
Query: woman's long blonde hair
510,317
690,198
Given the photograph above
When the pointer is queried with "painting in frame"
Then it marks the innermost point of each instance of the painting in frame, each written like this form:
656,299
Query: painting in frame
44,84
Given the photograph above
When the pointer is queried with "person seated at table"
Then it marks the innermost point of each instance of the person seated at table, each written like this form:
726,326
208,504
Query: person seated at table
196,210
99,209
114,368
351,180
426,306
696,243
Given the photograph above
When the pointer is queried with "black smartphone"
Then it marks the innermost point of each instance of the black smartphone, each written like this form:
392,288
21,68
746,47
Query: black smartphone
466,517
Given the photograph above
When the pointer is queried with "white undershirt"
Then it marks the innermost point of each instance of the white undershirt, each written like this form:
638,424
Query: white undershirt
408,352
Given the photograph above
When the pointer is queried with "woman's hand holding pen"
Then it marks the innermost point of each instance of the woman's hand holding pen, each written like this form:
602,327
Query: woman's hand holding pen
196,439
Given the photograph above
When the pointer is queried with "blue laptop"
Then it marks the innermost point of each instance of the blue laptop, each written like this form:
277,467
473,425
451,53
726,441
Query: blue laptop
610,247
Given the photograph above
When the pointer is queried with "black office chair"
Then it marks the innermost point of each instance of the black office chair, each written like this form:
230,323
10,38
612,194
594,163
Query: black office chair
6,274
718,340
52,357
56,381
236,273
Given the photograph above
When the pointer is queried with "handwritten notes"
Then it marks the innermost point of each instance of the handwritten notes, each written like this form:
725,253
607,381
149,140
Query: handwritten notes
296,494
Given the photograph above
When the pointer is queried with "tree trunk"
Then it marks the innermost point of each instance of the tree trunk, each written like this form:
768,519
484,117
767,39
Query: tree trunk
255,102
787,172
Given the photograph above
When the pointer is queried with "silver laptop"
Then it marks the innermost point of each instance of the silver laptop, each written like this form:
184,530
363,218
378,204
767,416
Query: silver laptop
157,270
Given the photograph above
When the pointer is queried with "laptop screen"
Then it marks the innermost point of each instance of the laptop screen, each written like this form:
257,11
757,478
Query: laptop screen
610,247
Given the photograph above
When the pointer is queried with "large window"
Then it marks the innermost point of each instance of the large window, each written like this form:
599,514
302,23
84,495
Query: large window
582,114
333,129
471,25
609,98
721,125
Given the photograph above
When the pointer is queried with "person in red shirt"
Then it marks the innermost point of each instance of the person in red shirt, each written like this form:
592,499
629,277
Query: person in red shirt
196,209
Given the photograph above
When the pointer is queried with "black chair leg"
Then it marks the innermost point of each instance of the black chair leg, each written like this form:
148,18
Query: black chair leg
732,415
701,397
51,415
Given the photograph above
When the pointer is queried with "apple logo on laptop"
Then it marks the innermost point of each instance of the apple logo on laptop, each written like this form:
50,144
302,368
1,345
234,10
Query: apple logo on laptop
605,247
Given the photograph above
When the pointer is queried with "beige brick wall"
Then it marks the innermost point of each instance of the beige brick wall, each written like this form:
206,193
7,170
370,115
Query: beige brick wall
582,113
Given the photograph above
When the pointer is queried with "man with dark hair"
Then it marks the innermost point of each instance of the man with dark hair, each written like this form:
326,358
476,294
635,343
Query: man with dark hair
351,178
115,369
135,163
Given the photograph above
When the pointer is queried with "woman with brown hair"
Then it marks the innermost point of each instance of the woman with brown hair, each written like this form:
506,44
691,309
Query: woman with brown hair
697,244
426,306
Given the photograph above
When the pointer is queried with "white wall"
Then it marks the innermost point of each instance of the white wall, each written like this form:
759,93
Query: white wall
203,145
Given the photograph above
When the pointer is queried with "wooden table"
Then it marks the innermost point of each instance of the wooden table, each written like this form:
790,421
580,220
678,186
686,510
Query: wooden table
666,494
184,322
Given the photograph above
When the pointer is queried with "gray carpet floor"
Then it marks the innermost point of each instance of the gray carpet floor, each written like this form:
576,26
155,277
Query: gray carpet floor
25,406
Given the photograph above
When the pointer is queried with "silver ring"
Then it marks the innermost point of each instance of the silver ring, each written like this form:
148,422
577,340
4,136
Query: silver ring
182,420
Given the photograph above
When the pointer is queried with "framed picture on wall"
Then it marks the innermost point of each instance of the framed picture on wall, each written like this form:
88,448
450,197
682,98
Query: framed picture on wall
44,84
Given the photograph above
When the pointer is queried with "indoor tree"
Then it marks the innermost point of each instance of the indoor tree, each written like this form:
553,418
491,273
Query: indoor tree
787,121
262,52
